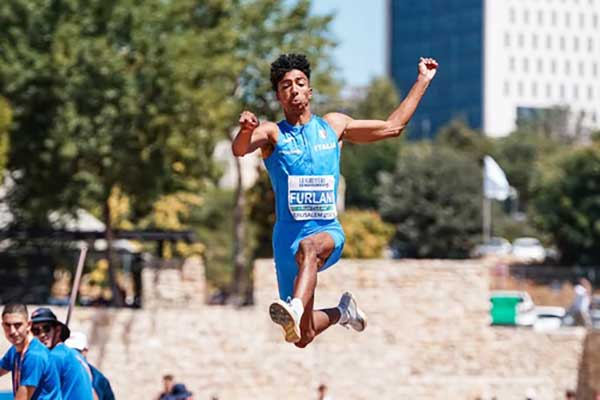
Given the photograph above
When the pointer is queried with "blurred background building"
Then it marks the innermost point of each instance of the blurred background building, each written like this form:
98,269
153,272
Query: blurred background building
503,61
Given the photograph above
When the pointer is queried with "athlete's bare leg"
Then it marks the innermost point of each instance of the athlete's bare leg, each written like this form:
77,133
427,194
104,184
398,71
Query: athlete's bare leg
312,254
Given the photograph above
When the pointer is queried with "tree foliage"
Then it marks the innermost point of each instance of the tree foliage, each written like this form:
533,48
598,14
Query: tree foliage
261,213
108,94
518,154
5,121
459,136
112,94
433,198
566,197
367,235
213,223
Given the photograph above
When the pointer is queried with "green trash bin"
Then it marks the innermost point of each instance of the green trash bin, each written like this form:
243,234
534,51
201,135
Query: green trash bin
504,309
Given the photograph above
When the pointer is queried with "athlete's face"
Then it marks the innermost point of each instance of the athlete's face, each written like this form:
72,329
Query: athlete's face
47,333
16,328
294,91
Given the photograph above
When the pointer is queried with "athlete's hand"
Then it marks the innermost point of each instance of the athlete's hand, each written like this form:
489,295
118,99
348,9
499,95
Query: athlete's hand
248,121
427,68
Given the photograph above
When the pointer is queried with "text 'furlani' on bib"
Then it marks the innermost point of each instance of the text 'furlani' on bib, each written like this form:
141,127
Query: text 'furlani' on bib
311,197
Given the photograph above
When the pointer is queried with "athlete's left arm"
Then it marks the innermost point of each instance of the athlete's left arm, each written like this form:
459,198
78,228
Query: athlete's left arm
366,131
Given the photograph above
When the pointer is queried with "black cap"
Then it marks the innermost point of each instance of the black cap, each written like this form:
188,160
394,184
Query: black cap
44,314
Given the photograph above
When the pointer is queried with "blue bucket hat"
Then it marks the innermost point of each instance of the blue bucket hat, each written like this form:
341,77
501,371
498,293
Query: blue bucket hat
44,314
179,392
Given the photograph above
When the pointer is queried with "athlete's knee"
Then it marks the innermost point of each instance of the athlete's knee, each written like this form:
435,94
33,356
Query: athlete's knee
306,338
307,251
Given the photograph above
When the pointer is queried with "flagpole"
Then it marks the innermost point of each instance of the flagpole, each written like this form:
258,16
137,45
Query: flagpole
495,186
487,218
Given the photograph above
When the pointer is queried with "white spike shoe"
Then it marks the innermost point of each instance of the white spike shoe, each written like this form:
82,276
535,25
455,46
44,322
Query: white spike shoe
352,315
284,315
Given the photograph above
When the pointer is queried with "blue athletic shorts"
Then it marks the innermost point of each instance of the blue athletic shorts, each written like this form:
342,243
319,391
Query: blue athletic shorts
286,239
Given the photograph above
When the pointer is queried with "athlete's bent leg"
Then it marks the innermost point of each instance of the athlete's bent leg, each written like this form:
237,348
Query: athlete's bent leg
312,254
316,321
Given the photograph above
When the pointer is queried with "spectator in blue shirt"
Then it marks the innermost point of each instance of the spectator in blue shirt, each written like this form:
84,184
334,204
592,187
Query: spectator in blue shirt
73,372
34,376
100,384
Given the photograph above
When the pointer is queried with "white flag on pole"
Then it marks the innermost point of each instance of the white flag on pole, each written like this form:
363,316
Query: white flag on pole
495,184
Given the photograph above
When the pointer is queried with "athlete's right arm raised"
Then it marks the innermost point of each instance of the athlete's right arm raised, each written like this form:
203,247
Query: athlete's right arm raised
254,135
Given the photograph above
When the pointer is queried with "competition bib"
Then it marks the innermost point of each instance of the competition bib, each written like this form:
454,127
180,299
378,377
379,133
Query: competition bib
311,197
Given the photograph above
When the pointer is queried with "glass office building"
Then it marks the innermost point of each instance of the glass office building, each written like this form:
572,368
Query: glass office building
451,32
497,57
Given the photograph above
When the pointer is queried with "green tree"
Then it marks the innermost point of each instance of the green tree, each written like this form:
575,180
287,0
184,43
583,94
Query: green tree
361,164
518,155
458,135
566,197
109,94
5,121
433,198
367,235
213,221
261,201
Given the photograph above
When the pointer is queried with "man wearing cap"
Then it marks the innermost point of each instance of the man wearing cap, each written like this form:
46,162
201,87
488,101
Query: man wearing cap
100,384
75,377
34,376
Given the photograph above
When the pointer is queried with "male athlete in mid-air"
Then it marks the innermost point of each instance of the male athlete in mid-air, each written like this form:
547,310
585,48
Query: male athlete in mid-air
302,156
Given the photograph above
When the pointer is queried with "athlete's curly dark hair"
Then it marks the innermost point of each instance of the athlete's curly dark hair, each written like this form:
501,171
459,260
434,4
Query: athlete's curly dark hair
286,63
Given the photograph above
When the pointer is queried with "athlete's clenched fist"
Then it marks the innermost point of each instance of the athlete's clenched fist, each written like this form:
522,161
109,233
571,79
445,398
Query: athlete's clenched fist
248,121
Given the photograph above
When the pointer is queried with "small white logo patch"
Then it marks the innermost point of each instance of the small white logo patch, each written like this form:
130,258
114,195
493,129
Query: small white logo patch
324,146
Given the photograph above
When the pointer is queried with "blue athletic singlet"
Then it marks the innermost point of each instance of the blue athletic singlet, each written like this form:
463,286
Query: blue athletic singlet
304,169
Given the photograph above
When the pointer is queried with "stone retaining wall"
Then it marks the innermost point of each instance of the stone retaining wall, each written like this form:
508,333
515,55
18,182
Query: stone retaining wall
428,338
589,371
